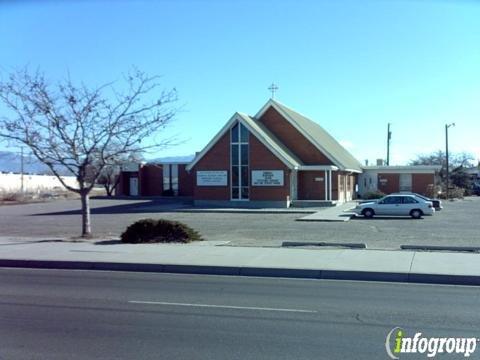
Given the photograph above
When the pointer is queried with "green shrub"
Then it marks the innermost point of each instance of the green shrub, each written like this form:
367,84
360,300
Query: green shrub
373,195
163,231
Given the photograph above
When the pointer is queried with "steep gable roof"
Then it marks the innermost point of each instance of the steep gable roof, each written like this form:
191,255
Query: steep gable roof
322,140
262,134
270,140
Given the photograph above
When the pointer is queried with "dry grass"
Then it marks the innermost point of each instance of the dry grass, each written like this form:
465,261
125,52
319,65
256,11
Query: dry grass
17,197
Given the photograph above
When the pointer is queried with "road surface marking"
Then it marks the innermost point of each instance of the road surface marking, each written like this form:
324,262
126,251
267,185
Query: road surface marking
220,306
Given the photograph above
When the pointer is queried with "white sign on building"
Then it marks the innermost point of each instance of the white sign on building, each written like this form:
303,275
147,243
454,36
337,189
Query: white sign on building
212,178
267,178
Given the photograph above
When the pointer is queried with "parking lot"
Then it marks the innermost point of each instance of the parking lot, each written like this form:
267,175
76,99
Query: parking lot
457,224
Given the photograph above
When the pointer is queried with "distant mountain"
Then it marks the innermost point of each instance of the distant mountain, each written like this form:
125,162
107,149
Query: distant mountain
173,159
11,162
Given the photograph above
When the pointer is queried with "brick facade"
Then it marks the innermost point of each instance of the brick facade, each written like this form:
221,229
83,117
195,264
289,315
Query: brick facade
185,181
123,187
217,158
335,179
421,183
309,188
293,139
151,180
388,183
310,185
261,158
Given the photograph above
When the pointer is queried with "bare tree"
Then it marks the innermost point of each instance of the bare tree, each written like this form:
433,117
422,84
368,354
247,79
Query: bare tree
458,164
110,175
461,159
74,127
110,178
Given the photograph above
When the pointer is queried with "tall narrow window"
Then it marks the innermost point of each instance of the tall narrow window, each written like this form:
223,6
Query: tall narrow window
405,182
170,178
166,177
239,162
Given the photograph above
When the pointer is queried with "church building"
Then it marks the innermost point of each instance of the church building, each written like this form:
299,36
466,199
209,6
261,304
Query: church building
276,158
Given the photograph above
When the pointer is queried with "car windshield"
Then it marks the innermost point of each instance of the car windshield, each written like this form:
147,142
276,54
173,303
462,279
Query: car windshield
421,196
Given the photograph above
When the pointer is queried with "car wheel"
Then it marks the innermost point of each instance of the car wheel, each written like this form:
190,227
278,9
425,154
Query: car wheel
368,213
416,214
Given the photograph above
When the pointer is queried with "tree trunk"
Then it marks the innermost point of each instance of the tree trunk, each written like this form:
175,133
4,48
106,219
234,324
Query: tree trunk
86,226
108,189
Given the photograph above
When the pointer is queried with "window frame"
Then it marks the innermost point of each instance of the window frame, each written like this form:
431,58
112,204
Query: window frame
239,144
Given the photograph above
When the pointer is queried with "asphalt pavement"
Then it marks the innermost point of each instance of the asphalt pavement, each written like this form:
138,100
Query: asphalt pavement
60,314
454,225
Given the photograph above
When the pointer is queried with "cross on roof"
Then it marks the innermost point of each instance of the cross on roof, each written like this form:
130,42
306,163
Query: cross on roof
273,88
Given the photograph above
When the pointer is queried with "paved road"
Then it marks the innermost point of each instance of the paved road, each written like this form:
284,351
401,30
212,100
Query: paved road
454,225
47,314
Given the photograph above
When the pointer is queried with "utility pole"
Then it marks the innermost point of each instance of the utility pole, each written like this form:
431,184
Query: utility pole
21,170
389,137
446,157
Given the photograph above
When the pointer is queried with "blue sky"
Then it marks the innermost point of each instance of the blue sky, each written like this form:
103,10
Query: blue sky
352,66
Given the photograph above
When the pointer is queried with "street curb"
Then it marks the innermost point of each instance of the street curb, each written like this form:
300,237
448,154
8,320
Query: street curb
324,220
440,248
247,271
323,243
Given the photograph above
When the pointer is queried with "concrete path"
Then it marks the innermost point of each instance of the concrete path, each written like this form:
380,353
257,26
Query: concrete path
374,265
290,210
336,213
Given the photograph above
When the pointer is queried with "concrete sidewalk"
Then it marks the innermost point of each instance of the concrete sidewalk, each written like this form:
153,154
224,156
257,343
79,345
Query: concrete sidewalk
347,264
335,213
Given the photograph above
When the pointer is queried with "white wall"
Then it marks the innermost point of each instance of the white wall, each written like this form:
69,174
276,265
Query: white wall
367,182
33,183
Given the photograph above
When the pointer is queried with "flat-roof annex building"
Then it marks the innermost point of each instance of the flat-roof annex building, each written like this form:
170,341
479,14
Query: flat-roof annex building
279,158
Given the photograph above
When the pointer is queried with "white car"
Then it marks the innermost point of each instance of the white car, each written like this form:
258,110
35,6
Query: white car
396,205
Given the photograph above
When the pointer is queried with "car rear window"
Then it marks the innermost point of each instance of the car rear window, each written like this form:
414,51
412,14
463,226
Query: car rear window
409,200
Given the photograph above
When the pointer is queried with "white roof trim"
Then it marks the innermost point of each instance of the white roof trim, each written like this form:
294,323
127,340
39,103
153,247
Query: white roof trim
317,167
413,169
264,108
212,142
243,120
168,163
300,130
246,121
353,170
